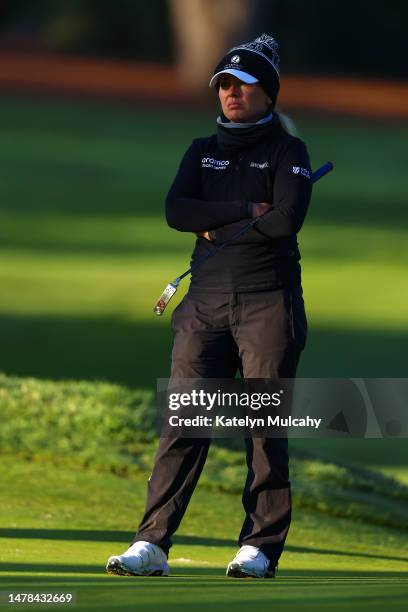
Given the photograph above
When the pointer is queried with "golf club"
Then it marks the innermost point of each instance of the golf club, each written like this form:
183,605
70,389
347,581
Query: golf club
171,288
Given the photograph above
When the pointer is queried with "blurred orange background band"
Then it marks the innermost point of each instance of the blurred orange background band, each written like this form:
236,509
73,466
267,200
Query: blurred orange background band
140,81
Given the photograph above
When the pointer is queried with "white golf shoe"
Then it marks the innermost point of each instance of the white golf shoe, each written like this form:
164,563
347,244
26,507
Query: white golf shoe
141,559
250,562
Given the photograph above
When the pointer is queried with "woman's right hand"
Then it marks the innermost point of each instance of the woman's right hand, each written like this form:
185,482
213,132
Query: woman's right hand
260,208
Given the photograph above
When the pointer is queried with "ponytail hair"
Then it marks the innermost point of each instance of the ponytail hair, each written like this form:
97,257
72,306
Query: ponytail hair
287,124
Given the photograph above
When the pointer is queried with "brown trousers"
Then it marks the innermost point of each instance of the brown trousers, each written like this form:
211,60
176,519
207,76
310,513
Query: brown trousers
261,334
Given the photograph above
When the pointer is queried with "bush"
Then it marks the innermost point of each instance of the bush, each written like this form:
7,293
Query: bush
89,422
112,428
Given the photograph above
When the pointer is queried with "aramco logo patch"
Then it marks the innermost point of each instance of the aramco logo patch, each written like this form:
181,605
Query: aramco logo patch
215,164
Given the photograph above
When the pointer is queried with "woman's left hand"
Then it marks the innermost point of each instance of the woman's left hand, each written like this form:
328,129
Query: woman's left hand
205,235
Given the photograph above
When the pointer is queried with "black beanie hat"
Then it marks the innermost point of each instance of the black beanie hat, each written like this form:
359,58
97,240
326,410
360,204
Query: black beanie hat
253,62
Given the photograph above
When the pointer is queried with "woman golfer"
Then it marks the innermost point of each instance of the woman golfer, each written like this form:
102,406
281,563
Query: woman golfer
244,308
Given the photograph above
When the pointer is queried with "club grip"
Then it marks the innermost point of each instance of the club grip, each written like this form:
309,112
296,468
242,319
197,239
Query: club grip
327,167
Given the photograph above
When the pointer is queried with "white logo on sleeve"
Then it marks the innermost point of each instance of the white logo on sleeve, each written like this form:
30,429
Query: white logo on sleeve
302,171
215,164
235,59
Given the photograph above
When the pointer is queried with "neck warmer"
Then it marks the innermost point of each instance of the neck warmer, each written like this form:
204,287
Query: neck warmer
235,136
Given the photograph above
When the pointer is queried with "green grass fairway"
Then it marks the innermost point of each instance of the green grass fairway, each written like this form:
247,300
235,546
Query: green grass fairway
59,536
85,253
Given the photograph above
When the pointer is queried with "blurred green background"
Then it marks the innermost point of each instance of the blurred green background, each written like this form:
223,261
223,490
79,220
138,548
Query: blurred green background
352,38
86,250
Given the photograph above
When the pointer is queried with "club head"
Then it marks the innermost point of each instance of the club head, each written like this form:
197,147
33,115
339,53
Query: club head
164,299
